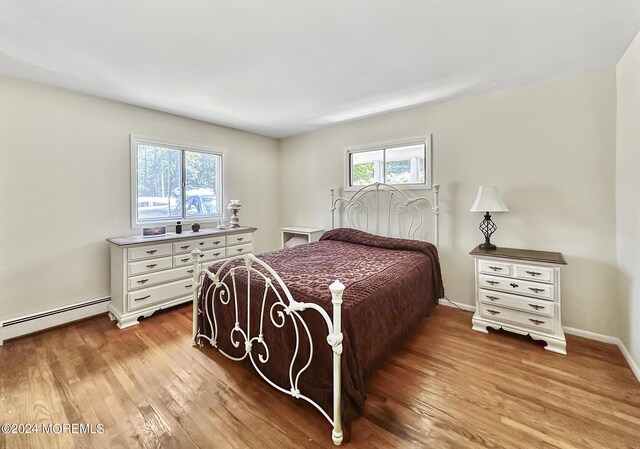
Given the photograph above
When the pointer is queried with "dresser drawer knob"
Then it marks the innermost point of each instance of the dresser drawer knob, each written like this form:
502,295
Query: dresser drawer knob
536,322
536,307
188,286
184,247
142,281
495,268
185,259
533,273
493,312
491,298
240,250
216,243
152,265
190,271
201,255
240,239
514,285
216,254
201,243
536,290
144,297
493,282
153,251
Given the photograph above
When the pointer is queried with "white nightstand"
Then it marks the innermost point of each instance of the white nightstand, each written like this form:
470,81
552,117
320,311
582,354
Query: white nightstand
310,234
519,290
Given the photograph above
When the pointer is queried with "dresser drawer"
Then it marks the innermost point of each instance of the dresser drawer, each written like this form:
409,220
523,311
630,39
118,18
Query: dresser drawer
534,322
239,249
534,289
147,252
493,267
239,239
530,305
147,280
205,256
201,244
540,274
153,295
149,266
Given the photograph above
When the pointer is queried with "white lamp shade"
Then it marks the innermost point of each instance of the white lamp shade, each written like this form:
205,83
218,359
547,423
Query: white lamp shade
488,200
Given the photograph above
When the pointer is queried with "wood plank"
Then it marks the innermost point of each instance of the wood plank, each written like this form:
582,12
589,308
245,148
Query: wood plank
447,387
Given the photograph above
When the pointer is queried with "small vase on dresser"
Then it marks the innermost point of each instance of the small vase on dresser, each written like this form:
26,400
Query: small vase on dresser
518,290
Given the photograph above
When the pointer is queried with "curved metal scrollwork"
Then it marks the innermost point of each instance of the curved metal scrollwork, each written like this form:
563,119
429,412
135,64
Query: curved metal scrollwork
224,289
384,209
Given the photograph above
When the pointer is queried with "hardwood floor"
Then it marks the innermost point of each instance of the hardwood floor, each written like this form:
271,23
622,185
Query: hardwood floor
449,387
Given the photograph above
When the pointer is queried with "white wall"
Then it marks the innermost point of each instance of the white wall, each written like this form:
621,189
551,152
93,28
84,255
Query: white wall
549,146
64,184
628,195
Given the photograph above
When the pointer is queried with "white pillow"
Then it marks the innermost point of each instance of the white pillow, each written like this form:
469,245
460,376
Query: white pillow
295,241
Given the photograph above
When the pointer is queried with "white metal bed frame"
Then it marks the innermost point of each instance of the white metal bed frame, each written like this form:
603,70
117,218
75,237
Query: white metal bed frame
398,204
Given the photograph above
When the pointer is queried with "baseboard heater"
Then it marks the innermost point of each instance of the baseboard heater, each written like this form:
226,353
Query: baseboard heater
50,318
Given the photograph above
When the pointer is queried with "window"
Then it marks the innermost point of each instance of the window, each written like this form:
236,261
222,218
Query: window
405,163
173,182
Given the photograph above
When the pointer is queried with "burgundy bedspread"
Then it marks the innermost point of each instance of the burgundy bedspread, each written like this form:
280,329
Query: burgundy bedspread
391,284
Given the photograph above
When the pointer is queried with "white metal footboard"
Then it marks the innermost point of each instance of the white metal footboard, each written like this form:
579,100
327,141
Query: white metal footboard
226,283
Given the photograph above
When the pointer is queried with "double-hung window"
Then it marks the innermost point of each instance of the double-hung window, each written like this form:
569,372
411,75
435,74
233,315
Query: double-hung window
173,182
405,163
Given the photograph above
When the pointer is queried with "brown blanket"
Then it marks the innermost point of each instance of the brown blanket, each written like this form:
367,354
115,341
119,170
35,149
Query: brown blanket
391,285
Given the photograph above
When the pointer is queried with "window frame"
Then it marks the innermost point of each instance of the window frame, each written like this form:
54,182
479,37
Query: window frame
420,140
135,140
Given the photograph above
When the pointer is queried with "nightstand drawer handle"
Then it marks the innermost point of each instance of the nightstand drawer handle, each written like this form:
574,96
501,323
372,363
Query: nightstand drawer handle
153,251
152,265
144,297
240,239
536,322
533,273
493,282
493,312
184,247
536,290
495,268
185,259
536,307
491,298
142,281
514,285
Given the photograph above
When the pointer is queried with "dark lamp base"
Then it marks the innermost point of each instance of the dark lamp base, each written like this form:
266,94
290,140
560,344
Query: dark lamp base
488,246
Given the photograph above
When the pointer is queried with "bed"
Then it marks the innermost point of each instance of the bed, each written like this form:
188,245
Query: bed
349,299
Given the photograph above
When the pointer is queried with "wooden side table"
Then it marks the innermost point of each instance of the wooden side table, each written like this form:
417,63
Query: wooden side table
518,290
309,234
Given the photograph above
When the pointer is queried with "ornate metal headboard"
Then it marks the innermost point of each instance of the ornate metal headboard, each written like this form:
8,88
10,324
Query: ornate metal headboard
384,209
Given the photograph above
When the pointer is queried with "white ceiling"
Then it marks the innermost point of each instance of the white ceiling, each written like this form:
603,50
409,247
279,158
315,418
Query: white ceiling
282,67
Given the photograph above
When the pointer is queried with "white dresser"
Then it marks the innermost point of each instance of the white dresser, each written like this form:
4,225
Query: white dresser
519,290
149,274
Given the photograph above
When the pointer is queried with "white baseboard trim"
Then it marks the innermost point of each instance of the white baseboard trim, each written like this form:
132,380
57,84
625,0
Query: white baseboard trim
35,322
572,331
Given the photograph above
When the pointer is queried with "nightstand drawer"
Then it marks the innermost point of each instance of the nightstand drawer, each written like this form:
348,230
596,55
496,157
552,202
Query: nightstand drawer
149,266
540,274
239,239
539,323
146,252
493,267
517,302
239,249
534,289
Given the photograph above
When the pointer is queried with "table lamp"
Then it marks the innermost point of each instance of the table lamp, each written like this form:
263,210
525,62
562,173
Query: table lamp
488,200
